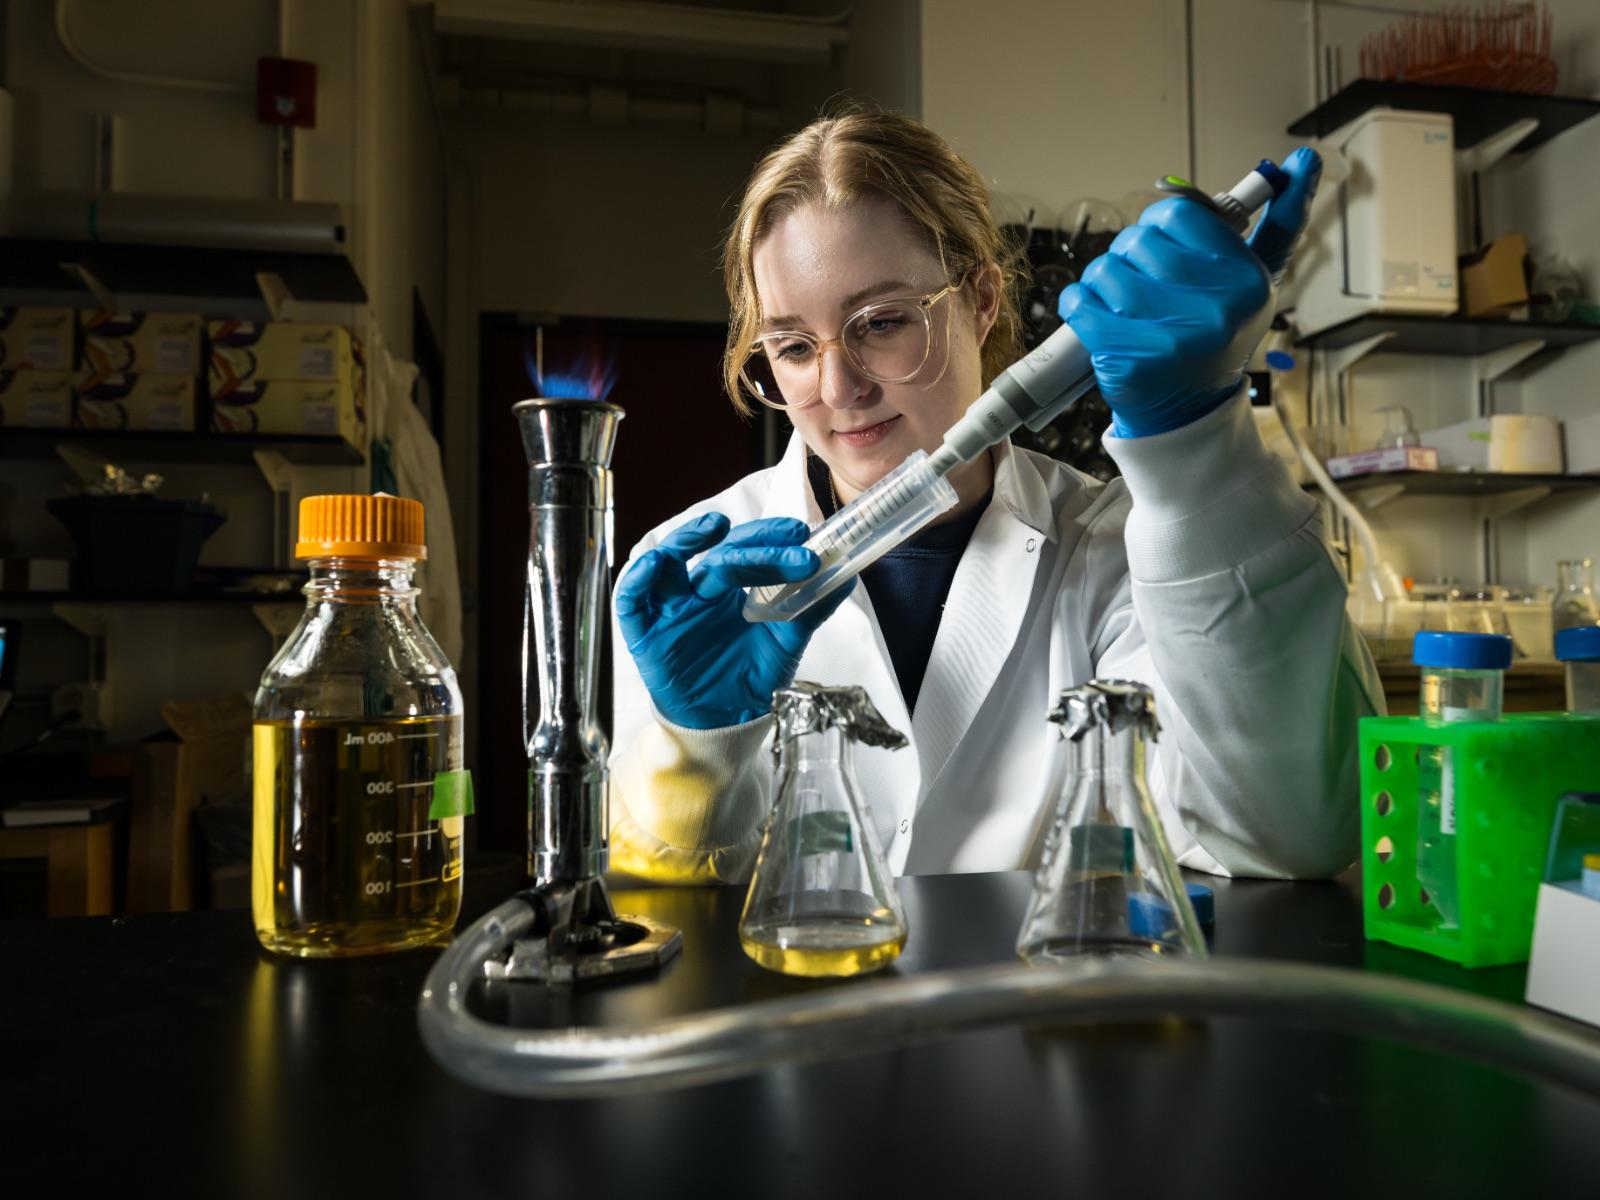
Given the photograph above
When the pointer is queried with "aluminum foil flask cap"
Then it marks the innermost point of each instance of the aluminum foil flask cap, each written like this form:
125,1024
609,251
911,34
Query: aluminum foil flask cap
822,900
1113,704
812,707
1107,883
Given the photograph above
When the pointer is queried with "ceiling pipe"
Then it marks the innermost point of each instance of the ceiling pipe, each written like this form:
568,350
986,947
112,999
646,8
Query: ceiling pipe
613,107
663,28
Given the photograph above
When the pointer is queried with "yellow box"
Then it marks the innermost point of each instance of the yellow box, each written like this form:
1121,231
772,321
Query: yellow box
35,339
247,351
136,402
141,343
1495,278
290,406
36,399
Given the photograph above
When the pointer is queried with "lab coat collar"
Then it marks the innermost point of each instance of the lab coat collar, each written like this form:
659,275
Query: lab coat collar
790,493
982,618
1021,489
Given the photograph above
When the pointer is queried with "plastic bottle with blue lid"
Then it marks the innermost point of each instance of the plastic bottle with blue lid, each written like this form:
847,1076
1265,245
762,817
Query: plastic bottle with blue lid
1579,648
1463,674
1463,679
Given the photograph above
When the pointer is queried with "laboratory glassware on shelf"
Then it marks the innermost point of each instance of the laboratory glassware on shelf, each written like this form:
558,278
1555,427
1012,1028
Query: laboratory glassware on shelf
1478,608
1107,883
1398,432
1463,679
1529,621
359,791
822,900
1575,600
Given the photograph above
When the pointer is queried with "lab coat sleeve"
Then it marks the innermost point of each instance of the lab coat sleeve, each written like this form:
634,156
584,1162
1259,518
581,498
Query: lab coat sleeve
1234,612
687,805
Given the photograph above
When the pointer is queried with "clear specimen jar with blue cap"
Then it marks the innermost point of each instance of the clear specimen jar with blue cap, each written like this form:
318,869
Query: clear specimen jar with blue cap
1579,648
1462,679
1107,884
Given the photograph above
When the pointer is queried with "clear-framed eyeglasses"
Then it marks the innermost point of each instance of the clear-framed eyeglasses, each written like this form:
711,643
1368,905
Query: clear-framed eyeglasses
887,341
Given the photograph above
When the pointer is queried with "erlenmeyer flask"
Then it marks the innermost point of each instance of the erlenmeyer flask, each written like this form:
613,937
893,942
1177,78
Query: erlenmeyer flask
1575,603
1107,883
822,901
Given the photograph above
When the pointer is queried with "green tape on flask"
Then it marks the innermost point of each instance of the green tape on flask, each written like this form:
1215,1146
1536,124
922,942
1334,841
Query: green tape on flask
1101,848
452,795
821,833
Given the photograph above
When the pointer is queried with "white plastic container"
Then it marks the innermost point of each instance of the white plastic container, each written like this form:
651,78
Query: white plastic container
1382,239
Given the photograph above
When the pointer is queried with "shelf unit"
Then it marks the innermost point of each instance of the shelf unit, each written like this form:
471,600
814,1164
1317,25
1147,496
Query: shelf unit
215,282
306,450
1478,113
1506,492
1488,125
188,277
1454,337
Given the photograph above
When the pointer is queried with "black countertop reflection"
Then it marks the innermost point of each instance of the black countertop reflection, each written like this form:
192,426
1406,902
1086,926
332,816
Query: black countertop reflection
170,1050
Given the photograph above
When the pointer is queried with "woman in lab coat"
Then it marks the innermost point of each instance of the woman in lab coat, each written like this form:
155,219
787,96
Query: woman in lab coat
870,301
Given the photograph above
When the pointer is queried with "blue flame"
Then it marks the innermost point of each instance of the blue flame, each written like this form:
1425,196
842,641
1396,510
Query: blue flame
590,376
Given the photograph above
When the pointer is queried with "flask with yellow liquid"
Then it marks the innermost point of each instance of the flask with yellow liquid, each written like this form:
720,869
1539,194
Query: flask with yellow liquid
359,793
822,900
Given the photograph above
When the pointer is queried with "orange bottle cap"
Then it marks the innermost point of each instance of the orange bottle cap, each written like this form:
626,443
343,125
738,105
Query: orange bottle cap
377,526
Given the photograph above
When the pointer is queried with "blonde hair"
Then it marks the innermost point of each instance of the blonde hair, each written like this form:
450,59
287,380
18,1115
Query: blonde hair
840,159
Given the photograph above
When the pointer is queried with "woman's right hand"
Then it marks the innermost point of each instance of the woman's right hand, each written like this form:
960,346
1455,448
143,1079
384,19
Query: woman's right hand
705,666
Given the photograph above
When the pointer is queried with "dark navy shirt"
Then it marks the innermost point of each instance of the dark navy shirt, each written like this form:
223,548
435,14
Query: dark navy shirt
909,584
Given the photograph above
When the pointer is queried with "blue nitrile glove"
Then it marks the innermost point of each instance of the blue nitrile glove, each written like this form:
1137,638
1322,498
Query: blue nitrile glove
706,666
1172,312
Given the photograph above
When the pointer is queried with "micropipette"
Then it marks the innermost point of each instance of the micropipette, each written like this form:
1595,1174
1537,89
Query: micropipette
1033,391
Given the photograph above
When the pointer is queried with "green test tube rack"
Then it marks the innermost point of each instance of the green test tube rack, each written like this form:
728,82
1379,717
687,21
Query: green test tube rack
1508,777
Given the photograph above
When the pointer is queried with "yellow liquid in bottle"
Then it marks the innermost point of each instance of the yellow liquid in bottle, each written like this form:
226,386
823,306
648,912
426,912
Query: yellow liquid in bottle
823,943
347,859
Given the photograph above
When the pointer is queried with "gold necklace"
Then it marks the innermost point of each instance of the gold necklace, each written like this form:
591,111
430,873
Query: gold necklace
832,495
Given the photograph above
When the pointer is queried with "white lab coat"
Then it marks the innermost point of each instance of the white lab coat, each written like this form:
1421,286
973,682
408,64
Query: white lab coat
1202,573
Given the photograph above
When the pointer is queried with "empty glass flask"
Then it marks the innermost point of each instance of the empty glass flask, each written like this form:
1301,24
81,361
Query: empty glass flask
1107,883
1575,600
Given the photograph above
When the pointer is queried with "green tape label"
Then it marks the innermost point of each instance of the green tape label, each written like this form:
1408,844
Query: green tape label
1101,848
821,833
452,795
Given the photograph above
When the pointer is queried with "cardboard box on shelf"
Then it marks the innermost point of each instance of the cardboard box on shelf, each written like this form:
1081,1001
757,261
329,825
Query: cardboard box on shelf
157,343
287,406
36,339
203,756
246,351
1393,458
36,399
1494,279
147,402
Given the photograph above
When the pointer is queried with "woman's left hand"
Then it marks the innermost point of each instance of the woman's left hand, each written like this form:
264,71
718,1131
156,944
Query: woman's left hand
1172,312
